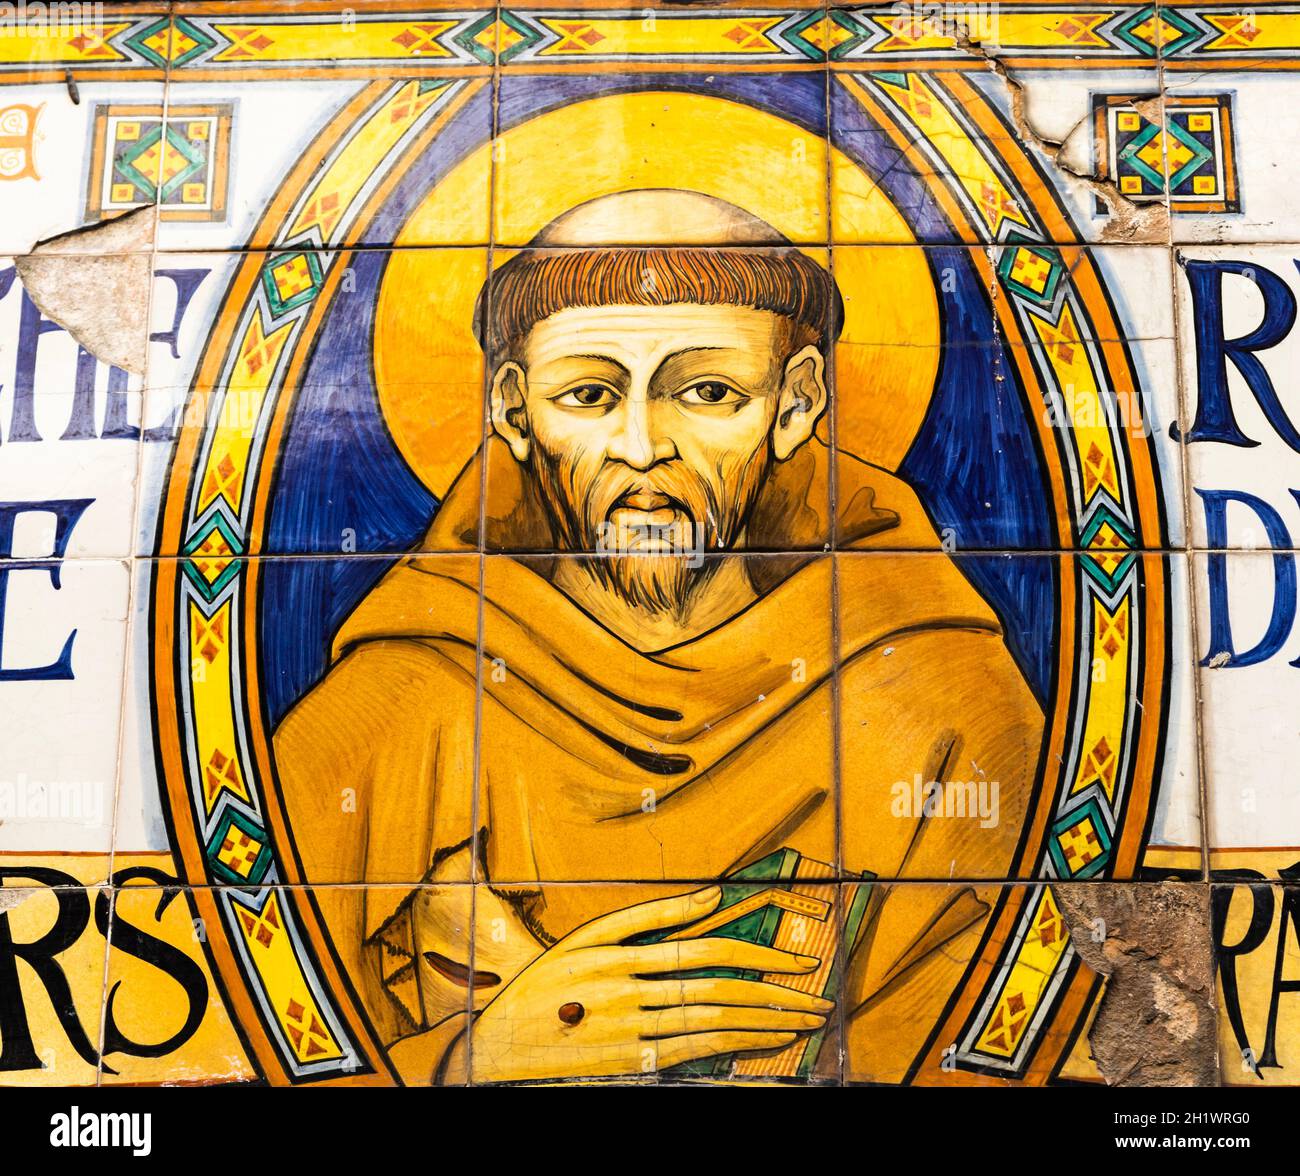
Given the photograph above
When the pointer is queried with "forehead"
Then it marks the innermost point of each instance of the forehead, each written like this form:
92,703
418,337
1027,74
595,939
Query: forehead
638,335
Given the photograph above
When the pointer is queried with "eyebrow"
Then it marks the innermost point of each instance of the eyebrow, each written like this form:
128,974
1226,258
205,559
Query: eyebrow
692,351
667,361
609,359
671,363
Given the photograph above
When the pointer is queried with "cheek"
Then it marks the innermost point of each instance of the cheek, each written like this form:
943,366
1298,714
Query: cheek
726,439
565,434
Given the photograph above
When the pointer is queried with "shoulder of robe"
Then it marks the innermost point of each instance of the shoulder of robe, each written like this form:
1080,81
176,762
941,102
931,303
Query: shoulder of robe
948,686
375,687
943,653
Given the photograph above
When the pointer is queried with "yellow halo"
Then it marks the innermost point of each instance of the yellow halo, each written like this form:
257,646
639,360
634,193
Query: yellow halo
428,366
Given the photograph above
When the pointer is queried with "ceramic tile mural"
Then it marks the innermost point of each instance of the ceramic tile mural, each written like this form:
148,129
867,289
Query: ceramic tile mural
700,543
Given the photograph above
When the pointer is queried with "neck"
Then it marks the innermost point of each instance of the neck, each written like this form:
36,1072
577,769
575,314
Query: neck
724,594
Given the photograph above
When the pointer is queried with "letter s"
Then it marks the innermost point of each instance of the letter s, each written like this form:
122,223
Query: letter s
160,954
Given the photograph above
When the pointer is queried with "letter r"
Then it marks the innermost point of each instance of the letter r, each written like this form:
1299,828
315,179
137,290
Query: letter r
1214,417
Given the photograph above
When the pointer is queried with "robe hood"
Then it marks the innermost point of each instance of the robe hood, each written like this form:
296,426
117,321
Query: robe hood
692,704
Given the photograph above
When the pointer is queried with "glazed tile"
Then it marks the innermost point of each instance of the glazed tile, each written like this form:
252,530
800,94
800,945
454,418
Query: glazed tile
1016,352
163,998
415,172
1006,956
139,821
74,163
386,111
378,1031
1236,308
342,698
1256,956
1245,606
754,141
309,751
63,627
721,407
364,447
69,420
1237,171
51,1021
680,979
939,157
973,746
731,35
723,720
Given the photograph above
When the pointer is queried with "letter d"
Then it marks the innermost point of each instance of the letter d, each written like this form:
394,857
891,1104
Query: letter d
1284,579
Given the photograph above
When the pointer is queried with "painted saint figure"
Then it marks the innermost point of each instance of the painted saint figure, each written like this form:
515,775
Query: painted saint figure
648,657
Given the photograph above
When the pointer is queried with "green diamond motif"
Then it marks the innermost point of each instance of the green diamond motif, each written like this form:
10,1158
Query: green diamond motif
195,159
126,164
1099,520
290,280
182,31
1091,848
1196,153
468,40
1126,31
1108,583
240,832
836,19
210,589
1032,272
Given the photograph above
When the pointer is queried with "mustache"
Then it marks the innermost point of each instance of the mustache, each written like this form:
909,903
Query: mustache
579,504
684,492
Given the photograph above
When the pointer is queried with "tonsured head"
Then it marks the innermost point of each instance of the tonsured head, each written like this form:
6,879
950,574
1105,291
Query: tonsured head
649,388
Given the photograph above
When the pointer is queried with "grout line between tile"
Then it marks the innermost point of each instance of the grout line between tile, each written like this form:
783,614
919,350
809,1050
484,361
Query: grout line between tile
125,692
1191,621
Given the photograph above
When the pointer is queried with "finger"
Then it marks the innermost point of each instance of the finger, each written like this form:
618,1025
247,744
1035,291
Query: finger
646,916
685,954
662,1023
673,1051
721,990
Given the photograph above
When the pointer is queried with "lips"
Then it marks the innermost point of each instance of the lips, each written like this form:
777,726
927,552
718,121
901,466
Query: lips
645,500
647,508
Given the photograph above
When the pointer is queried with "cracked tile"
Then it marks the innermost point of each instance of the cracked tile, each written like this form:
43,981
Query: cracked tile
372,440
69,419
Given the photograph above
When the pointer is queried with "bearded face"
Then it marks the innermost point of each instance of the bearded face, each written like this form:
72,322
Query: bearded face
648,529
649,432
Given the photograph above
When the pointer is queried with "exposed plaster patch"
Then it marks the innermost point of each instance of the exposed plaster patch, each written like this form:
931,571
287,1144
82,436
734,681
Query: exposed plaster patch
1127,221
12,896
94,282
1156,1025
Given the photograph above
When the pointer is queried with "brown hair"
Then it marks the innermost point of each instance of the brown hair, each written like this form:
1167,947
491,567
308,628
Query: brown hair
538,283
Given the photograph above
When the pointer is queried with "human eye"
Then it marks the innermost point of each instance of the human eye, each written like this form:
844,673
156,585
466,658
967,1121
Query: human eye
586,396
710,393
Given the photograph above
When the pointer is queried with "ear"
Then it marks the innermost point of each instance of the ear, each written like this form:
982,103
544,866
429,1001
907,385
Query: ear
508,406
801,402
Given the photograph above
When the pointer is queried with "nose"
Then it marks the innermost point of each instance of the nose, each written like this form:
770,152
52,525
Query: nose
640,437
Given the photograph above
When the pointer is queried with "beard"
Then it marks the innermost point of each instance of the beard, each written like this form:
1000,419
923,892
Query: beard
654,568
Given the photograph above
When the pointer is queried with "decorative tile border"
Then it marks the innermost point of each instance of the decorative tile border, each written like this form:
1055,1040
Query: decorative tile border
179,161
280,39
1191,156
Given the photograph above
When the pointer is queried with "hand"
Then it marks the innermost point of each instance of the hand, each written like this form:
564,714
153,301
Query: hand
633,1021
